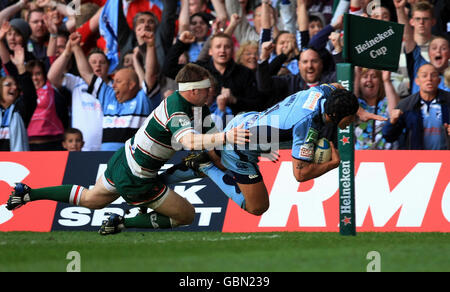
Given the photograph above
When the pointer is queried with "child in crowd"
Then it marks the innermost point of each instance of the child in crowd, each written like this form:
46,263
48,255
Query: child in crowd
73,140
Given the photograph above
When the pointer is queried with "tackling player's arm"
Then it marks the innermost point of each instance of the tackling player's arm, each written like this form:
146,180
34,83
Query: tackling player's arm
304,170
195,141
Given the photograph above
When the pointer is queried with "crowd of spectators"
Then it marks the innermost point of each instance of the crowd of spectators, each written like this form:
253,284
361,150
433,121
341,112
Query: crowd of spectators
86,74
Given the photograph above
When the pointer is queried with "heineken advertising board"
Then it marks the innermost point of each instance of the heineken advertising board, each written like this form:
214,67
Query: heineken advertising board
347,214
372,43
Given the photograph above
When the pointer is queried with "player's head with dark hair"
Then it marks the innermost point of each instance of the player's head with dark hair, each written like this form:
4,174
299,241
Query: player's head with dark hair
340,104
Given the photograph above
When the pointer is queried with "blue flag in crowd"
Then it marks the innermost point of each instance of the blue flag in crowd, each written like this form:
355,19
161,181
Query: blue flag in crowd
109,28
158,3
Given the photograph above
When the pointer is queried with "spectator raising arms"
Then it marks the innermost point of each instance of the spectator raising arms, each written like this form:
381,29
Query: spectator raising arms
17,33
438,50
117,58
86,114
235,81
125,105
17,103
311,73
50,118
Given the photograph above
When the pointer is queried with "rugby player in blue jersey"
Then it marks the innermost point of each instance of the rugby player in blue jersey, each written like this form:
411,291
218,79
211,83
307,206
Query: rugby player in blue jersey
299,118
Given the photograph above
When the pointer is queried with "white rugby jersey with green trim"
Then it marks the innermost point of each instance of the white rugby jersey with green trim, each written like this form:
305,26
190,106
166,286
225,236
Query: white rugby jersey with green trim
158,138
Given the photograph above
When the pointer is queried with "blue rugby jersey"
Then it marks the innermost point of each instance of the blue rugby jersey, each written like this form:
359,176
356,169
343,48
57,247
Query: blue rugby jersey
298,118
433,131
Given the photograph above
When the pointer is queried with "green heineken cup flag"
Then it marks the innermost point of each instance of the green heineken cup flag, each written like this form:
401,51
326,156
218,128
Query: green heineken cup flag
372,43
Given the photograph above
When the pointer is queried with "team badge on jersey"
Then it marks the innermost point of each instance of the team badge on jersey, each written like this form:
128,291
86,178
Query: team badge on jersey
307,152
312,136
312,100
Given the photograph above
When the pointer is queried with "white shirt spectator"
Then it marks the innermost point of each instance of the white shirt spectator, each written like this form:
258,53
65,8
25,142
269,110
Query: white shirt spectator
87,114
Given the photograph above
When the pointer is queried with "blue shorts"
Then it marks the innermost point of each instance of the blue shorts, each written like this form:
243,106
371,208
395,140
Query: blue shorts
242,163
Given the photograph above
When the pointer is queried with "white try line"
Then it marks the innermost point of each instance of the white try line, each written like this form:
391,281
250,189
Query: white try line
221,238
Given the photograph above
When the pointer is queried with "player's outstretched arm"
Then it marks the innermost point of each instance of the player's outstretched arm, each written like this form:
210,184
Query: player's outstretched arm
365,116
235,136
304,171
362,114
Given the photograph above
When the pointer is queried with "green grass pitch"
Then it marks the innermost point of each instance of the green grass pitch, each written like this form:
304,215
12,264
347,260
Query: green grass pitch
224,252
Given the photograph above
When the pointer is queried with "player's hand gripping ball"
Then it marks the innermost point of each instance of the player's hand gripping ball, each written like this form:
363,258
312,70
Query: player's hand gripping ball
323,151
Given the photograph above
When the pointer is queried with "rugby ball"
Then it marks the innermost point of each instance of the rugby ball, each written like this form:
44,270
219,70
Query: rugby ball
322,152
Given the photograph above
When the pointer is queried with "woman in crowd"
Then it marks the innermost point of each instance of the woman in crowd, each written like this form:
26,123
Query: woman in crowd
376,95
247,55
15,33
17,103
46,127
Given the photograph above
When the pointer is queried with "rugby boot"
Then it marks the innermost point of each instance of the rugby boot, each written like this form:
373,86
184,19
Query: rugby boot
19,197
197,162
114,224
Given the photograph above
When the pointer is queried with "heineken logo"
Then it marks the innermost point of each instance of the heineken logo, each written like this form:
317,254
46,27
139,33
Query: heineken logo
346,220
346,187
377,46
345,140
361,48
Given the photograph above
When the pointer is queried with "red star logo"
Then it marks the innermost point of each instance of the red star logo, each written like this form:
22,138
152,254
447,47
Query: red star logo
345,140
347,220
